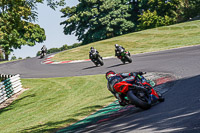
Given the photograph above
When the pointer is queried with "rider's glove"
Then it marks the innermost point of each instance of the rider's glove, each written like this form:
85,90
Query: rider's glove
141,73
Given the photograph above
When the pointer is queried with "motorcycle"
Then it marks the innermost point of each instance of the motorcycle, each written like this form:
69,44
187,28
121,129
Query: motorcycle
124,56
42,54
96,59
141,94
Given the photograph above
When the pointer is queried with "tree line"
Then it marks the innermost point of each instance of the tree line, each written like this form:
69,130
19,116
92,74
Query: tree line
94,20
64,47
16,23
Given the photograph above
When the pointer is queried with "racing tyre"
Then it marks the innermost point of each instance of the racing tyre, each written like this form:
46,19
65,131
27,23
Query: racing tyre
100,61
128,58
138,101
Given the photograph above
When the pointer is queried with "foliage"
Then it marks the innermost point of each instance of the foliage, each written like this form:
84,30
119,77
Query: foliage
13,58
16,27
189,9
53,50
64,47
151,20
159,13
19,58
156,39
1,56
164,7
93,20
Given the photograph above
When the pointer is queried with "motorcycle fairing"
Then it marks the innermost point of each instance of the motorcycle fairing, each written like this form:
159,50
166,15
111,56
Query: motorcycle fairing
122,87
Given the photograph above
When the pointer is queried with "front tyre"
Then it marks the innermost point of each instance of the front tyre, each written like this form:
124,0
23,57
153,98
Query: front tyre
128,58
138,101
100,61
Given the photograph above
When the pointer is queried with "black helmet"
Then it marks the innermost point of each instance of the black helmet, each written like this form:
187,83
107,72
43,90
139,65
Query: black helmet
116,45
109,73
92,48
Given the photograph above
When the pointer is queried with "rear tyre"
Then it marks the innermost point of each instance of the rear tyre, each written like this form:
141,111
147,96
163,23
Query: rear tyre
138,102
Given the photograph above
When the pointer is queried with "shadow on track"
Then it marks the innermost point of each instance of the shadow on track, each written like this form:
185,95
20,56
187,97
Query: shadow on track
116,65
89,67
179,113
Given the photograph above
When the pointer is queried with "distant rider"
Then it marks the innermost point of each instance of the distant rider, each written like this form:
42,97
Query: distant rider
118,50
44,49
92,50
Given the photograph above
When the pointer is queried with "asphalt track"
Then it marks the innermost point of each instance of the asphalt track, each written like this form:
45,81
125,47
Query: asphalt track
179,113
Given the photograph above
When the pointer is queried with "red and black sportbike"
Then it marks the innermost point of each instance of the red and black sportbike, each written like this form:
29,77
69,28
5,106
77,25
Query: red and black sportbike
141,94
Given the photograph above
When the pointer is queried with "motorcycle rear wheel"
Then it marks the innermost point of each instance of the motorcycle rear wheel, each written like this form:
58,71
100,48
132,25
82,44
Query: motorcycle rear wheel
138,101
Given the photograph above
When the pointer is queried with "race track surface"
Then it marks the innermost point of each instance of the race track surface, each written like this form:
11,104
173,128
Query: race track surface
179,113
182,62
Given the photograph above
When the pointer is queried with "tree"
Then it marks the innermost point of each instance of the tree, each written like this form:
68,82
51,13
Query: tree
189,9
13,58
151,20
53,50
16,27
159,13
93,20
64,47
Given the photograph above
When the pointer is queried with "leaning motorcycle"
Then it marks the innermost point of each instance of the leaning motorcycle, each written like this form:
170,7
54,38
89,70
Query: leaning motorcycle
124,56
96,59
141,94
42,54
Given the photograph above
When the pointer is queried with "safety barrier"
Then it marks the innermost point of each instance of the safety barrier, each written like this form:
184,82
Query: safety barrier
10,85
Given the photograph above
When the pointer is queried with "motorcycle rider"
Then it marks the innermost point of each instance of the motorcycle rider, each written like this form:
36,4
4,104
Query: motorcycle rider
92,50
43,49
118,50
130,78
114,78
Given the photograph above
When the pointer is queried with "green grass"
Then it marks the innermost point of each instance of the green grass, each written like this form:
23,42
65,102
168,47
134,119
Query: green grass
53,103
162,38
1,62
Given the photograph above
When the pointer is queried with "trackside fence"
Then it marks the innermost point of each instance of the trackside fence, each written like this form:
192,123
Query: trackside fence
9,85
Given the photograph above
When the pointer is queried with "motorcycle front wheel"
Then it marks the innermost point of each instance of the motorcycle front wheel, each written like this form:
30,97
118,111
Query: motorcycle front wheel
142,102
100,61
128,58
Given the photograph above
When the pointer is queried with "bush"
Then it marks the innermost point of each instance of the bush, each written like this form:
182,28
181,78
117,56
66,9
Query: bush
151,20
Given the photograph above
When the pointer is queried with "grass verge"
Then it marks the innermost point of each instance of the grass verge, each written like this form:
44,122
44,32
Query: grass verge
2,62
162,38
53,103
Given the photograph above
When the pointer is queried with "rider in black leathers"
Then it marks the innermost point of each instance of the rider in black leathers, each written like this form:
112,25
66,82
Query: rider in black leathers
44,49
118,50
92,50
114,78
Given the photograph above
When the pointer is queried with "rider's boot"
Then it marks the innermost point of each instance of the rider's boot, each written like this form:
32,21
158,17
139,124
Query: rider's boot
161,98
122,100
